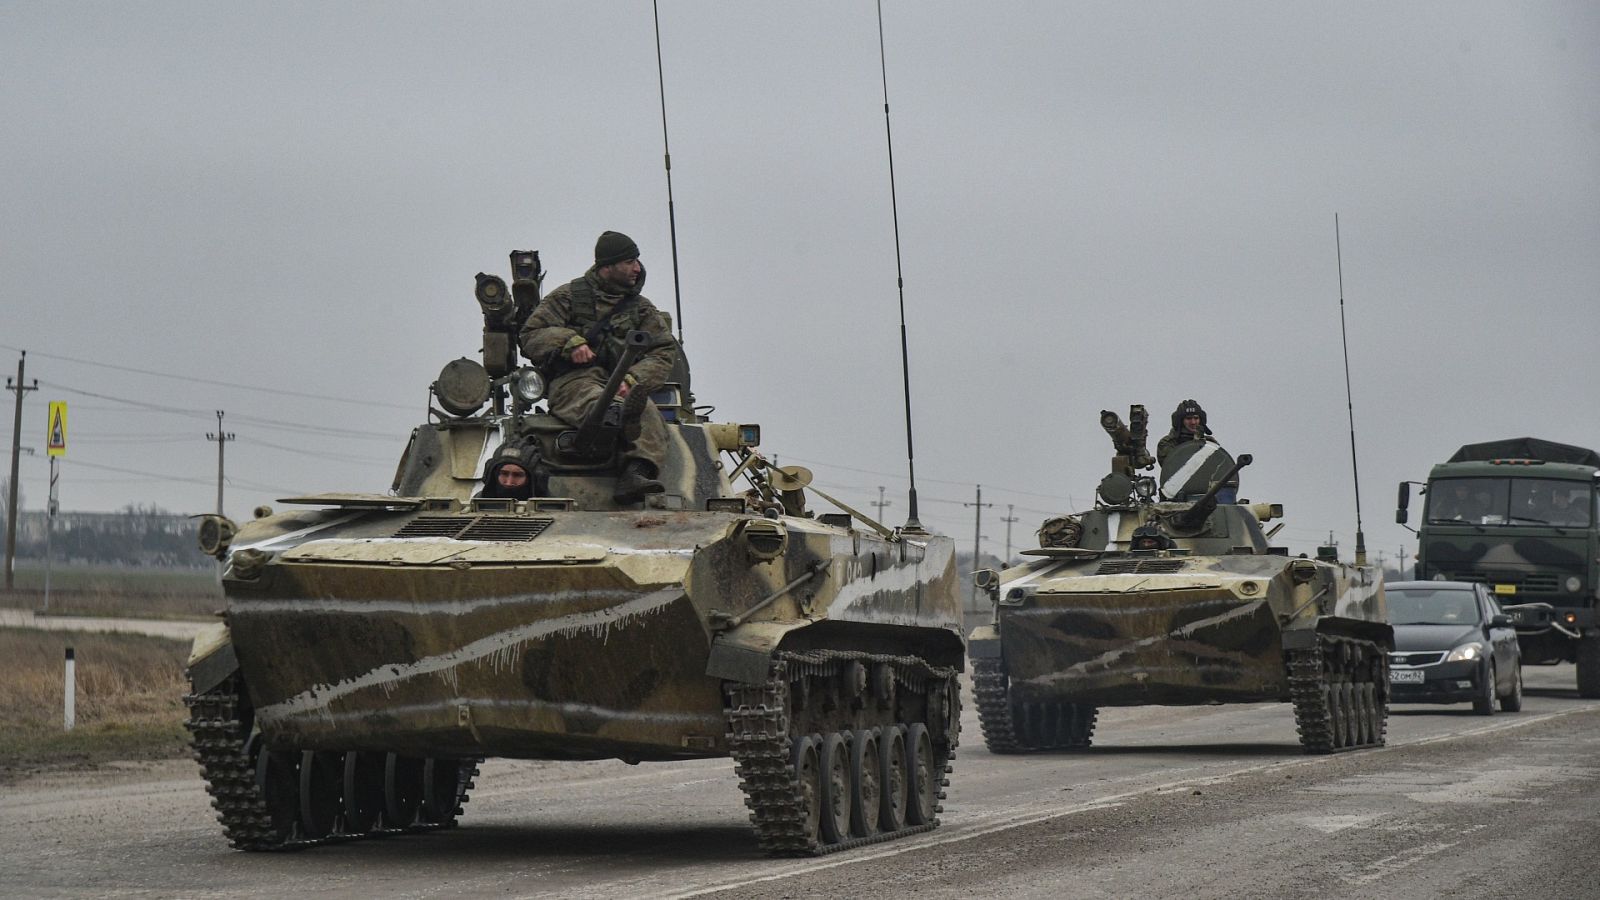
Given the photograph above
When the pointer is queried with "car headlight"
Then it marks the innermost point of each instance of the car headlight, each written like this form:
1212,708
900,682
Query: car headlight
529,385
1465,653
1573,583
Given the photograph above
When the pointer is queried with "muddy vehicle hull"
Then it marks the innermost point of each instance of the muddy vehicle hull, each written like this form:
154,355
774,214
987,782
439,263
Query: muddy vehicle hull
1180,603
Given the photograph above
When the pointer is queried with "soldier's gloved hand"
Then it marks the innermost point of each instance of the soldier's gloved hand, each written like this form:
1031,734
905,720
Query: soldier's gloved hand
582,353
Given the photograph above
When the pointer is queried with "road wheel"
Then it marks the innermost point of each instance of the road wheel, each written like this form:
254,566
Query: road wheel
805,760
1512,701
836,794
924,778
865,780
278,780
1484,705
321,799
402,790
1589,665
895,780
363,791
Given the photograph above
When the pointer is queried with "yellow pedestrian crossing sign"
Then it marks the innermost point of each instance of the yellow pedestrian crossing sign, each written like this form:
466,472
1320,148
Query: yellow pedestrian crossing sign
57,444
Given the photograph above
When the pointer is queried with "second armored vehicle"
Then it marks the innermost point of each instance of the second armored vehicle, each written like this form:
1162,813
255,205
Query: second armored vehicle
376,646
1171,598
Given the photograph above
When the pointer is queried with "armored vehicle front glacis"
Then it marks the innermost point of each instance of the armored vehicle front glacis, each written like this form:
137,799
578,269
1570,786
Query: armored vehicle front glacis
376,647
1171,598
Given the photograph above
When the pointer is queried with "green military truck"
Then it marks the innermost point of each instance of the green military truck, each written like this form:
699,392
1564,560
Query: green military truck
1520,515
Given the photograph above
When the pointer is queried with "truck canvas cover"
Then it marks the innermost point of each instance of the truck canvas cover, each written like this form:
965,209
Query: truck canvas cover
1527,448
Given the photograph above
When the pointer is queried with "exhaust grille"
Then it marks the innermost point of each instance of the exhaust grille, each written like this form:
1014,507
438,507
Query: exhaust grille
434,526
1139,566
504,528
476,528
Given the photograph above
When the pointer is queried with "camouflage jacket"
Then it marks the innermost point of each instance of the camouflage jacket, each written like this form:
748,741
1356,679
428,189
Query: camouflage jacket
555,329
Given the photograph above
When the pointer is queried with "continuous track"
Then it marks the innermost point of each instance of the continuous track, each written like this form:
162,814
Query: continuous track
260,802
786,735
1340,689
1012,727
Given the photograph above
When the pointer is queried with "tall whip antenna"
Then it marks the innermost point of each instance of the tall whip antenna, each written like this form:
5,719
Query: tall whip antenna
1361,539
672,216
912,524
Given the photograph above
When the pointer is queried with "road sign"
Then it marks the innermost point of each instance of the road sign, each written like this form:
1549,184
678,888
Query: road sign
57,444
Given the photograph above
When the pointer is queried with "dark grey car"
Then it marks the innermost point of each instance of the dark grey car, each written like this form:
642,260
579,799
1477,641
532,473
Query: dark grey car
1452,644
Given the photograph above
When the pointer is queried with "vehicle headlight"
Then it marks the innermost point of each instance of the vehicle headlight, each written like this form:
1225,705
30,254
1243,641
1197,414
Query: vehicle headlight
1573,583
1465,653
529,385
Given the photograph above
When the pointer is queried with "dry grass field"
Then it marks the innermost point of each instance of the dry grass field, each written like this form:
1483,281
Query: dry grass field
129,699
102,591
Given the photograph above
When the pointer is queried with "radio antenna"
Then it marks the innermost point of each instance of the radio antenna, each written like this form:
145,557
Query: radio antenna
672,216
912,523
1361,540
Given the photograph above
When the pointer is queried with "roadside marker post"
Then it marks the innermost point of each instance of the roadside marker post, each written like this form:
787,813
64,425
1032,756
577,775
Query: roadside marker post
71,696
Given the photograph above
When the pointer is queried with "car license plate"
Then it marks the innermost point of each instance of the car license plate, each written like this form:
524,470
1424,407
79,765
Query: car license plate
1405,676
1505,590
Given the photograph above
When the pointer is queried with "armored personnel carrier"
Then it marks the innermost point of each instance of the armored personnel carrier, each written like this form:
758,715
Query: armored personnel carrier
375,647
1162,595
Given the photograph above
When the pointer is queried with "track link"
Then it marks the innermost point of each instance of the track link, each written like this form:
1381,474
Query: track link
762,731
220,737
1340,690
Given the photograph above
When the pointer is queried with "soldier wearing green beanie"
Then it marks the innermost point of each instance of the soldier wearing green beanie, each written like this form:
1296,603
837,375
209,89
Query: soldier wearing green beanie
554,338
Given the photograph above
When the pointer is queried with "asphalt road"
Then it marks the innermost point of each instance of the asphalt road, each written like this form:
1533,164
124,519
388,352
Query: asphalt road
1171,802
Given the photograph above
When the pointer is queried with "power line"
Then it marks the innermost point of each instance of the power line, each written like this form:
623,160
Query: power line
251,420
212,382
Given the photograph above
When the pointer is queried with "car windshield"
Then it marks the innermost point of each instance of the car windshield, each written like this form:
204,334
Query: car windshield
1430,607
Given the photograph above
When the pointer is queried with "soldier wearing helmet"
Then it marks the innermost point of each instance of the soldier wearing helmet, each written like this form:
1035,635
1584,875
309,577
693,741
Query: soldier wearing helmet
1188,424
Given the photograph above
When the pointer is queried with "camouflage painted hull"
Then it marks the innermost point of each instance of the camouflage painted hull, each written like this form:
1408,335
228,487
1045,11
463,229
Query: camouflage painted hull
572,635
1170,631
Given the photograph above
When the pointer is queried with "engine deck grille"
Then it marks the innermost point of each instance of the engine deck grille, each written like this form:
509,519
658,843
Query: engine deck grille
1139,566
476,528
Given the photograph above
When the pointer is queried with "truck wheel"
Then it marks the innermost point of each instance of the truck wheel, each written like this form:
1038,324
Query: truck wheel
1589,665
1484,705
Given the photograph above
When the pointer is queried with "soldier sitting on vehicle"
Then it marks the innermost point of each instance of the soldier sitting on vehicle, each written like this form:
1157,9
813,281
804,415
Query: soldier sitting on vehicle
576,336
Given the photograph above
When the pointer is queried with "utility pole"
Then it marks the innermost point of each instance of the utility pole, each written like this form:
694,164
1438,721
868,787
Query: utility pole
18,388
977,535
222,438
1008,518
882,503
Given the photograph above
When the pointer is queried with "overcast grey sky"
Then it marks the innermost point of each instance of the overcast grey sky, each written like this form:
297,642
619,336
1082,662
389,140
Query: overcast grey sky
1100,204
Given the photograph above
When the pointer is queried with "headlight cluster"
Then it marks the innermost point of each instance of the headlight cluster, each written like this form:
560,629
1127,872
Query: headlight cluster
1465,653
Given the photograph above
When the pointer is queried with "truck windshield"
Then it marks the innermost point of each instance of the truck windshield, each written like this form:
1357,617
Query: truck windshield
1425,607
1510,501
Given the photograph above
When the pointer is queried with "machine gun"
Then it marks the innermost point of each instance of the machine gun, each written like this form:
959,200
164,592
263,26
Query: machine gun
1196,515
597,435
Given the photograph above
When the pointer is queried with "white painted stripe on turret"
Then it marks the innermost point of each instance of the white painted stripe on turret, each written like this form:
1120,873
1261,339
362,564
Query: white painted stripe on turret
1114,532
497,650
1182,476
